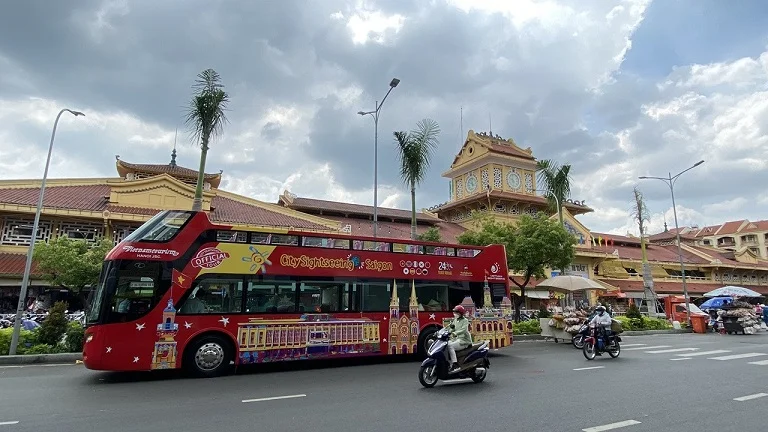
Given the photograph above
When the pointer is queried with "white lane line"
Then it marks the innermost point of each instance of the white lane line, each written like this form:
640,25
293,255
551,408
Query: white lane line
589,368
760,362
681,358
750,397
612,426
702,353
274,398
8,423
632,345
670,350
737,356
645,348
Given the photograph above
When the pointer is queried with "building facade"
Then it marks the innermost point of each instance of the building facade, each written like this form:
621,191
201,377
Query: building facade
489,174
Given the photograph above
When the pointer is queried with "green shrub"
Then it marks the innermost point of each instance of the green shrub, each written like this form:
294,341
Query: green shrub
26,340
55,325
643,323
526,327
633,311
543,312
43,349
74,338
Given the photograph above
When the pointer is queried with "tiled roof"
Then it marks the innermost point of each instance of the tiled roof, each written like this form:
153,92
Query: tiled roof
13,265
730,228
90,197
397,230
723,256
314,205
675,287
165,169
573,208
231,211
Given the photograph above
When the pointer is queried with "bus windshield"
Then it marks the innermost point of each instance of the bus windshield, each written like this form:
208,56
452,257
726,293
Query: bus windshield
161,228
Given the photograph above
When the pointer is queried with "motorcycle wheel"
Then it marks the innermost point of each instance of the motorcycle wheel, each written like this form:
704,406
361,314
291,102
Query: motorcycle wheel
615,351
428,376
578,341
589,350
479,378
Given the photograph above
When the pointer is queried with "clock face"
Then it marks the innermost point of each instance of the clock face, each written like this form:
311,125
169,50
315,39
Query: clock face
471,183
513,180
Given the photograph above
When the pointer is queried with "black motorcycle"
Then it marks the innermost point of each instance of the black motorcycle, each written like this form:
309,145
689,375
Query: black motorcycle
596,343
473,361
578,339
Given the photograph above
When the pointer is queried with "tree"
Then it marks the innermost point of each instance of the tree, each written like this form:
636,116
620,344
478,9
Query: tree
206,118
71,264
430,235
533,245
414,150
555,181
640,211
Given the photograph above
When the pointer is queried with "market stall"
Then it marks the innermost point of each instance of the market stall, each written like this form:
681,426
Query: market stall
739,317
564,326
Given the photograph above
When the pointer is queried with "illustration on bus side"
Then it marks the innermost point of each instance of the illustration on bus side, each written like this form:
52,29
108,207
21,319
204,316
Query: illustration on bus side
164,356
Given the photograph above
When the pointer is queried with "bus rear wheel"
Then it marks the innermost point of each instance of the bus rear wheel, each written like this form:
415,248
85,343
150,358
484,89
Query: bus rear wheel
426,339
208,356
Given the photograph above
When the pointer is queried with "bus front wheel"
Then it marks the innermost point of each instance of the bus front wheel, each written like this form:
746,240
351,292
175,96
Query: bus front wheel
426,339
208,356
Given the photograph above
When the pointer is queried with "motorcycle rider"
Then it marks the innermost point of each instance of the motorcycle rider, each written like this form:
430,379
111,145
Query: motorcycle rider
603,322
460,336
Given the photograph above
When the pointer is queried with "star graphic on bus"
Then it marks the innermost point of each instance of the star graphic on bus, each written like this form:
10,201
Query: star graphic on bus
224,321
139,327
109,349
135,359
187,325
431,316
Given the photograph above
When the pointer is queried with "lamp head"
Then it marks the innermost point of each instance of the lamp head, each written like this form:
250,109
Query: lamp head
642,177
394,82
699,163
361,113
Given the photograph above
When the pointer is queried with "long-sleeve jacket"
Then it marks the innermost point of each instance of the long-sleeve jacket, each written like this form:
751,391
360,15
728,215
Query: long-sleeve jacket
602,320
460,329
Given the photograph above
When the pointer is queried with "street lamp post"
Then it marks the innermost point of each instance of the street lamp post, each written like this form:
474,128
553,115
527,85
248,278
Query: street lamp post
375,115
31,250
670,181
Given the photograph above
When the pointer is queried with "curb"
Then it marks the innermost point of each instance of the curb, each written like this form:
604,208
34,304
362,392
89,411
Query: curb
535,337
41,359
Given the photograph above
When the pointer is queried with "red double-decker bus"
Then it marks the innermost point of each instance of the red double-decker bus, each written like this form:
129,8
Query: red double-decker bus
183,292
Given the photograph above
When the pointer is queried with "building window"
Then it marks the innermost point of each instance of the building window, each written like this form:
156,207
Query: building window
18,231
514,209
497,174
120,232
459,188
529,183
485,180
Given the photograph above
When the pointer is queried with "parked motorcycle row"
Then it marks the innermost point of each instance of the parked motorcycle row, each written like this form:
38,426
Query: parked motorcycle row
7,320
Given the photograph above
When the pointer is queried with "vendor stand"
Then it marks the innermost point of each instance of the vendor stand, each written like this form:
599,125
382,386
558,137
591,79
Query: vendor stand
564,326
737,316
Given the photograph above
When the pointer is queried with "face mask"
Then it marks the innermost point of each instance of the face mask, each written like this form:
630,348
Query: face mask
455,315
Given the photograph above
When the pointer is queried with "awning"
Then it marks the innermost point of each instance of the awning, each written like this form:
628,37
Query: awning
533,294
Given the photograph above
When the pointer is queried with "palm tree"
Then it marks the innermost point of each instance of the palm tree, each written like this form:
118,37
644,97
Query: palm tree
414,150
206,118
555,181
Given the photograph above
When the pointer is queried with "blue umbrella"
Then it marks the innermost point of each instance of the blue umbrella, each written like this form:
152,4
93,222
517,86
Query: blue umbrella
732,291
715,303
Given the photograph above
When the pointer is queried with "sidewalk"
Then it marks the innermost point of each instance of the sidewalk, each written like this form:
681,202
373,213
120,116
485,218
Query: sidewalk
40,358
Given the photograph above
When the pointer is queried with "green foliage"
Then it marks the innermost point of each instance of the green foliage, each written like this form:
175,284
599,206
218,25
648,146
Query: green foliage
430,235
544,312
71,264
633,312
527,327
643,323
555,181
75,336
414,152
205,114
44,349
55,325
27,339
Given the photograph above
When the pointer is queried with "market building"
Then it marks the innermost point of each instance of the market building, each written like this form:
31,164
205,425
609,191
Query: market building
488,174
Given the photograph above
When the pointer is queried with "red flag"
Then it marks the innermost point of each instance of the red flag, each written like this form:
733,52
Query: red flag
180,280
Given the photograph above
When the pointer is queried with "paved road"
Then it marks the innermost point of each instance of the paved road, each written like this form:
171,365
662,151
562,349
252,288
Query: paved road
531,386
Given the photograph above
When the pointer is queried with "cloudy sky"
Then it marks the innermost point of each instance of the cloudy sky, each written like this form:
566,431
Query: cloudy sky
615,88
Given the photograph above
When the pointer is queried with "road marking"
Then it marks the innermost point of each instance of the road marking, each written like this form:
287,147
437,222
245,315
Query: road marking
705,353
760,363
646,348
8,423
750,397
612,426
670,350
274,398
632,345
737,356
682,358
589,368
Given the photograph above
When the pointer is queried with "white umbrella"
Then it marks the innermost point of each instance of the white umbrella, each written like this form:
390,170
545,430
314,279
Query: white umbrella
732,291
570,283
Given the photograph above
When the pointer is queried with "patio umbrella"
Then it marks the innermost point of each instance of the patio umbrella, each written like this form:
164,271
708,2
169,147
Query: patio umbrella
570,284
715,303
732,291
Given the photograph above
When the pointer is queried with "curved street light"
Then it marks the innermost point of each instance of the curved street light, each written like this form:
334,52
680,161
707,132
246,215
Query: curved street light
670,181
28,265
375,115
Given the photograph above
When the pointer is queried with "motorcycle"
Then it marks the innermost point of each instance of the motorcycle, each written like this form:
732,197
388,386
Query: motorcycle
595,344
578,339
473,361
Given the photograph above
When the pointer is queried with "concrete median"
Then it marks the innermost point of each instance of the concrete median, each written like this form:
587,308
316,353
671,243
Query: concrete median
40,359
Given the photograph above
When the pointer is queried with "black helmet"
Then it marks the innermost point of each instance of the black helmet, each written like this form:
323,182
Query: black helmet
600,308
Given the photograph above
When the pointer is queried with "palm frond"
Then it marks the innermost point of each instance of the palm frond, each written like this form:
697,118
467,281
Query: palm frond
415,149
206,113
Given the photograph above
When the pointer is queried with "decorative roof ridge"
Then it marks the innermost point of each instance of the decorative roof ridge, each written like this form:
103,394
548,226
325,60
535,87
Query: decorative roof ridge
279,209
